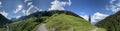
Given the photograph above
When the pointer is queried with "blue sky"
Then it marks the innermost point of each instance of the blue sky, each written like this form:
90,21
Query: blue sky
98,9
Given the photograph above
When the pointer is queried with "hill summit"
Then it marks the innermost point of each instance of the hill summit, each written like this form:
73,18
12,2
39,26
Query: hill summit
49,13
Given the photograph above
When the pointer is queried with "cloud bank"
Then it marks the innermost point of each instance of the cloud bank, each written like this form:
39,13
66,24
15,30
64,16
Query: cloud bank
97,17
31,9
0,4
4,13
85,17
19,7
18,17
114,6
57,5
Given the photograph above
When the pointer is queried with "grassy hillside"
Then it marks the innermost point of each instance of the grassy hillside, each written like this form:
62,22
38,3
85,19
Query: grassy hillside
60,20
49,14
111,23
30,24
27,25
63,22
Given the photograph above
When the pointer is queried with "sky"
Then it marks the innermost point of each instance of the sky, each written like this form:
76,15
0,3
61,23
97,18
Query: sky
97,9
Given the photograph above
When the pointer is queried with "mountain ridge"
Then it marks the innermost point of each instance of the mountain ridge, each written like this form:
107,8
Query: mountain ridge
61,20
111,23
48,13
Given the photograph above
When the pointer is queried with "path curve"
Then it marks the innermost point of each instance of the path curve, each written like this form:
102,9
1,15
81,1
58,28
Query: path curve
95,29
42,27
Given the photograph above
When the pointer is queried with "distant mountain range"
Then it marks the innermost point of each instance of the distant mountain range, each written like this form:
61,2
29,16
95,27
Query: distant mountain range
111,23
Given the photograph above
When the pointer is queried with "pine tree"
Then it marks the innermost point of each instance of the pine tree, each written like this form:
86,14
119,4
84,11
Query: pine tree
89,18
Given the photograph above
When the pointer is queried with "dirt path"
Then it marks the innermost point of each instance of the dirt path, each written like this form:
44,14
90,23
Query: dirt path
42,27
95,29
7,28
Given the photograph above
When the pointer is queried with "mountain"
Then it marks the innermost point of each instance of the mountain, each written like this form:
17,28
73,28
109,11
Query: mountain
3,21
48,13
111,23
61,20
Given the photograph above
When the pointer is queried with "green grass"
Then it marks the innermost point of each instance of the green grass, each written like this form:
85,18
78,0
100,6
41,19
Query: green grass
64,22
25,25
2,29
61,22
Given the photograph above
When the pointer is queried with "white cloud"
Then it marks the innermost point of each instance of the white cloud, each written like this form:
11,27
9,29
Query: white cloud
0,4
19,7
30,10
30,3
111,2
9,18
4,13
114,6
57,5
18,17
23,11
85,17
27,1
97,17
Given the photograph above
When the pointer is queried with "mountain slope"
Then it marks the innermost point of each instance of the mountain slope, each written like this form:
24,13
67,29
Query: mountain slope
49,13
111,23
32,21
63,22
3,21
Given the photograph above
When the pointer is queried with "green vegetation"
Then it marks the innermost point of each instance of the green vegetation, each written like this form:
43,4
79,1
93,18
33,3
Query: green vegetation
101,29
60,20
25,25
3,21
63,22
111,23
